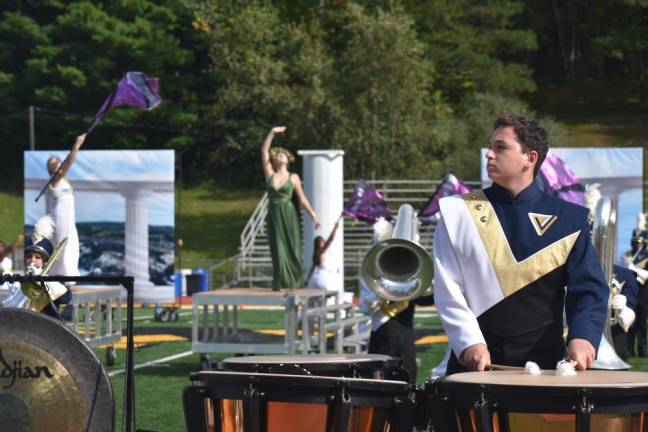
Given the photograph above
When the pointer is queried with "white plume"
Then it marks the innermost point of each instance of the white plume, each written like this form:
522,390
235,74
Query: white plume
382,230
641,221
44,228
592,196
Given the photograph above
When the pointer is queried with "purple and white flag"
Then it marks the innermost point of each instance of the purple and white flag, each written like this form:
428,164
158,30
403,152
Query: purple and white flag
559,180
134,89
366,204
450,185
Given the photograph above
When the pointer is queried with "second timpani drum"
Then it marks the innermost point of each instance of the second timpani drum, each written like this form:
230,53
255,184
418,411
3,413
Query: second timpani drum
503,400
370,366
303,393
254,402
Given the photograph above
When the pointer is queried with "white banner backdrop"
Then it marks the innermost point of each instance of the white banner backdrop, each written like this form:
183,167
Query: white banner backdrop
619,171
125,215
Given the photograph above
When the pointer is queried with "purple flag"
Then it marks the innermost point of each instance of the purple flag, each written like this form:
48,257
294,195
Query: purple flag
450,185
366,204
559,180
134,89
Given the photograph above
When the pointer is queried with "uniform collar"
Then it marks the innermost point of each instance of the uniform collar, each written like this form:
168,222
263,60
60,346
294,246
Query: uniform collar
504,196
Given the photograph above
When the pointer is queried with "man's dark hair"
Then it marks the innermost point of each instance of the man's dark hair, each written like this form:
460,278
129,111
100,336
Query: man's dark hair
530,134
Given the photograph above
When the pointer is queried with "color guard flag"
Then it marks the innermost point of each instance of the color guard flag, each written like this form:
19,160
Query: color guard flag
559,180
450,185
366,204
134,89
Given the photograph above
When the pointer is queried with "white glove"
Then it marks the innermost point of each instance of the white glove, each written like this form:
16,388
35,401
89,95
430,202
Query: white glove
642,274
625,318
619,301
32,269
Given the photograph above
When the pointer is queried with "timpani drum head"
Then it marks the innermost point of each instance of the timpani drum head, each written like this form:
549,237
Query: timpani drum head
50,380
371,366
610,400
591,379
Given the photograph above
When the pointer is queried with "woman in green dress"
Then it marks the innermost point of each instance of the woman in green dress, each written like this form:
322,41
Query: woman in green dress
284,231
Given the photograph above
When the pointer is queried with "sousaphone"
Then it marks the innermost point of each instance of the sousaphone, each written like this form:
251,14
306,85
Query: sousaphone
604,240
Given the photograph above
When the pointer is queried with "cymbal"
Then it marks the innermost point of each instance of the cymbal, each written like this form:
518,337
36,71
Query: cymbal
50,380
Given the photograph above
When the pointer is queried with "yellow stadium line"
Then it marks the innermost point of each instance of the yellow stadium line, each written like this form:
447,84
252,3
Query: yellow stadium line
426,340
279,332
143,340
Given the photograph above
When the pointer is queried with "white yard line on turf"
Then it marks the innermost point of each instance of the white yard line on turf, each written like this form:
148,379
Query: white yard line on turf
153,362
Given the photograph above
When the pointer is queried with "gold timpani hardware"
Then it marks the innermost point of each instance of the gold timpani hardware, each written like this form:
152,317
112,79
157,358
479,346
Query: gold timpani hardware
399,269
604,241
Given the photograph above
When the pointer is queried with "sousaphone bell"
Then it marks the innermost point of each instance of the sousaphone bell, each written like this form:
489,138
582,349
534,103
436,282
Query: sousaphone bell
399,269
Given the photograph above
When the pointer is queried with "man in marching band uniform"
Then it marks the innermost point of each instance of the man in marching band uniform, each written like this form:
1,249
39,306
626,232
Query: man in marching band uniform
37,254
636,259
503,257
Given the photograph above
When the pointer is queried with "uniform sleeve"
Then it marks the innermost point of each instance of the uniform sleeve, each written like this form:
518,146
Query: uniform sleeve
458,320
587,292
630,287
367,297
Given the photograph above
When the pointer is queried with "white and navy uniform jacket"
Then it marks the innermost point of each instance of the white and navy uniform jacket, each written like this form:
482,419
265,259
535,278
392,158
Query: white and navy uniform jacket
627,279
501,266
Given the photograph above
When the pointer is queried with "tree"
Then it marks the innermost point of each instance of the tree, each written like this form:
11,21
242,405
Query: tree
268,72
66,57
387,116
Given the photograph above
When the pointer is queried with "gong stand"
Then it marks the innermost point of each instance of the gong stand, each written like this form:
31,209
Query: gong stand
128,283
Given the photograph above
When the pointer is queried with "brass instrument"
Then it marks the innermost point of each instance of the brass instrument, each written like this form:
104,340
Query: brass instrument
38,294
604,241
399,269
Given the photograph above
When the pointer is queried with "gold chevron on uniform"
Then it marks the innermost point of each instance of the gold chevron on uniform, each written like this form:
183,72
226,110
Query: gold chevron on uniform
542,222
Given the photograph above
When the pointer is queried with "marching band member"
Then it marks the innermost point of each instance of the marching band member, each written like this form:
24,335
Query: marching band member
637,261
503,257
623,285
31,296
624,304
392,336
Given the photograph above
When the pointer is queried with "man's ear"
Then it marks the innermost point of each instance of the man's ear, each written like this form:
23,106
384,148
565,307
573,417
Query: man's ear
532,157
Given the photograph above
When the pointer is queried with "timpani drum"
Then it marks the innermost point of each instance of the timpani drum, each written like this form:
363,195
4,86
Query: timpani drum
370,366
301,393
514,401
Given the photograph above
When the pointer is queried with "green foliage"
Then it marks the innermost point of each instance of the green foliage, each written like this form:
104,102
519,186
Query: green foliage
407,88
598,40
472,132
476,46
382,83
67,57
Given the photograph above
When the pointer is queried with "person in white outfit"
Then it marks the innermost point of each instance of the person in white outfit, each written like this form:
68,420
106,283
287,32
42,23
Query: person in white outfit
319,275
6,264
60,205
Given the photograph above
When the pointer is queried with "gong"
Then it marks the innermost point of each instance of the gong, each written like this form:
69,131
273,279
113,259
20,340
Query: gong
50,380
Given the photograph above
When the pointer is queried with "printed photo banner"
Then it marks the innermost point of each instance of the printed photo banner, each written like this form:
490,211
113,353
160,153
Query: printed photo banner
123,209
